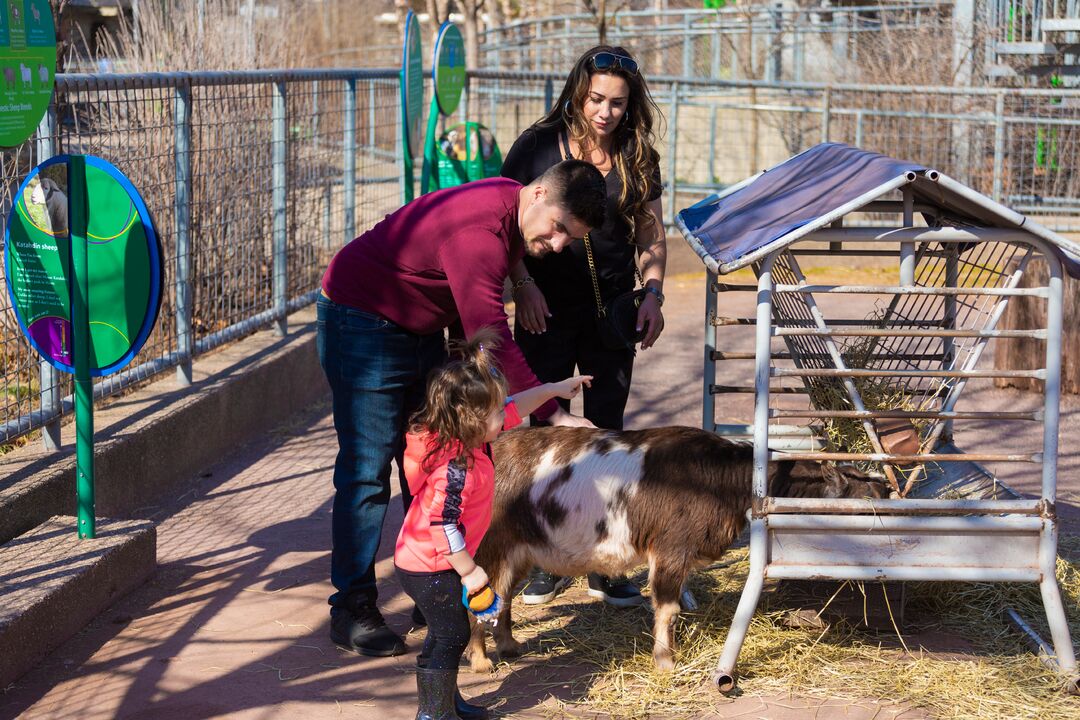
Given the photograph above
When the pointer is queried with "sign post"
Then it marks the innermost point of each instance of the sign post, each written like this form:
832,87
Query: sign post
448,76
84,269
412,100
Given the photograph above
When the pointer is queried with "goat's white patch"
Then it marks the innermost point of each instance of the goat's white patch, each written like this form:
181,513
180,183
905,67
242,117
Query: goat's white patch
595,531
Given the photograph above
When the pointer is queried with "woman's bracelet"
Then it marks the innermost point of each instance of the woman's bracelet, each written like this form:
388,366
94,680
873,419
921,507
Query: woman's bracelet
520,284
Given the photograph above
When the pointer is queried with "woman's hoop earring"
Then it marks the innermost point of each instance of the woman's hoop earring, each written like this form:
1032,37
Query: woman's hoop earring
566,108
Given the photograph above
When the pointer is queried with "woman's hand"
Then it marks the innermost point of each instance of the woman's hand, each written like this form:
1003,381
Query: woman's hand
650,317
531,308
474,580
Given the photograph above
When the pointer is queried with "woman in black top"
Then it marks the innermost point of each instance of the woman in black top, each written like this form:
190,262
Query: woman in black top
604,115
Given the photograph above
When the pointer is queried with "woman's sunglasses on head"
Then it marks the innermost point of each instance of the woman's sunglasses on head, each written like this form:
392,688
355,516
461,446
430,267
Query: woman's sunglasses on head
609,60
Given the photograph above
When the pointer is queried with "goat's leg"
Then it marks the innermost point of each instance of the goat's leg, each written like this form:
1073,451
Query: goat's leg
477,649
666,581
496,568
505,644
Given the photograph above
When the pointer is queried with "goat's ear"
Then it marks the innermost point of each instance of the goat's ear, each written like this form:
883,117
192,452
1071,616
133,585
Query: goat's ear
830,473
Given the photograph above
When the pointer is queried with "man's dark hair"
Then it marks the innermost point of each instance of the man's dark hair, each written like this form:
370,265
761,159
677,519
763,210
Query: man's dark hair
579,188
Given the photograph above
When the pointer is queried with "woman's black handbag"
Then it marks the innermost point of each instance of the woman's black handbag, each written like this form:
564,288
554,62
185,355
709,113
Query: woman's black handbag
616,320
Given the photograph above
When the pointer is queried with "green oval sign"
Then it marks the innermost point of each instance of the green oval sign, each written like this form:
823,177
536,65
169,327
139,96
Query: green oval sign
448,70
124,263
412,82
27,67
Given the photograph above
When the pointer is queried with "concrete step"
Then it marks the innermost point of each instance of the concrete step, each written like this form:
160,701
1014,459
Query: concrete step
1060,25
1026,48
149,446
52,583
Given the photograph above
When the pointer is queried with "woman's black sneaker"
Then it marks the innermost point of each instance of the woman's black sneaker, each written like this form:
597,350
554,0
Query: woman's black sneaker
365,632
542,587
619,591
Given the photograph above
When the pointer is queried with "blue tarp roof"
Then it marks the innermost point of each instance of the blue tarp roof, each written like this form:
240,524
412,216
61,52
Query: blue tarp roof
788,196
802,190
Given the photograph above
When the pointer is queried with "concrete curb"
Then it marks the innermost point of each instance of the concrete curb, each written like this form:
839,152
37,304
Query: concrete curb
53,584
149,443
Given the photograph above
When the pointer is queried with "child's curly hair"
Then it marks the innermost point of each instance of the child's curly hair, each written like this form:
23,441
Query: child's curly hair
460,397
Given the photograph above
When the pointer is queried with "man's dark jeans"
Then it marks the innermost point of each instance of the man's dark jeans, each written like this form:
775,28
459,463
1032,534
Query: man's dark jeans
377,373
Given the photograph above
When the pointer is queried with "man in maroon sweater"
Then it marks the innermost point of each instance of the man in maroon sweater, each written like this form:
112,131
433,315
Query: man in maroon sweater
386,299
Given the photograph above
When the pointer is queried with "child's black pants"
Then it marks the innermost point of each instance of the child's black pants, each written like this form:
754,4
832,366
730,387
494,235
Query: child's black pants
438,595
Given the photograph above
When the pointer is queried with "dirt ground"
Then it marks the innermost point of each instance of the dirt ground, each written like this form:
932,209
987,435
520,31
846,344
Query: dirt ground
235,623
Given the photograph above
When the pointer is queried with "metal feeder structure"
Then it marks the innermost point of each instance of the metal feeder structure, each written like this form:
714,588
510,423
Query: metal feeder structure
954,520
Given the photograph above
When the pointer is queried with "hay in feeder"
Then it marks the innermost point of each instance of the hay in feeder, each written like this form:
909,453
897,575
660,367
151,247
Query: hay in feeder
848,434
998,678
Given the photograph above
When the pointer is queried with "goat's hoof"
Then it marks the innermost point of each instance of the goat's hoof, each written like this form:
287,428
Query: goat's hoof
664,663
482,665
510,648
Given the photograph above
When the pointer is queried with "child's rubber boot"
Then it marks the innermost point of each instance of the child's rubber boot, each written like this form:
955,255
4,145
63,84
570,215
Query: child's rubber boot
468,711
435,690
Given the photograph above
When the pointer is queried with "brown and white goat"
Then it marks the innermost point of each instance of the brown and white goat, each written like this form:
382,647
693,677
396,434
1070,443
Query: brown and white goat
579,500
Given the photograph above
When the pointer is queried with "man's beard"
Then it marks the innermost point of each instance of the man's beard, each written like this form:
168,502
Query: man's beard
537,248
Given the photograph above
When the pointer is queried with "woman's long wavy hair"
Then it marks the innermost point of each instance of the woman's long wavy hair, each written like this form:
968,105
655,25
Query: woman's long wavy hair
632,147
460,397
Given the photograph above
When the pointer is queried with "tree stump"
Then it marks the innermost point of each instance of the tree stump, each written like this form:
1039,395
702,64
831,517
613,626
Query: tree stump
1029,313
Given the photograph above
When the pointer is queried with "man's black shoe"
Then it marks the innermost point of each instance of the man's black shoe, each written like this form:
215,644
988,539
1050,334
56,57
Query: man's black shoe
365,632
542,587
619,592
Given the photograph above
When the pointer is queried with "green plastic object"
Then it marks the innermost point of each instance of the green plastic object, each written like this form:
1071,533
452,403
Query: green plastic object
412,100
448,73
466,152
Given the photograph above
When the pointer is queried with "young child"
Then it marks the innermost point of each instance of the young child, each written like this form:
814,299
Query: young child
452,479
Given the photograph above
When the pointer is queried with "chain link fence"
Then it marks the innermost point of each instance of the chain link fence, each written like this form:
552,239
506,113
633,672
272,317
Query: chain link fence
1021,147
254,179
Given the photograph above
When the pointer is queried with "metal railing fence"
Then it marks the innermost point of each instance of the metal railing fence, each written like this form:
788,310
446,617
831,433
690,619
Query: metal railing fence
1021,147
246,175
768,40
254,179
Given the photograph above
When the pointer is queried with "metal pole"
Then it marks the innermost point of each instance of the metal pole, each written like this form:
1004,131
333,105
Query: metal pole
859,117
1052,392
948,344
185,341
251,29
1051,594
748,601
370,112
328,201
716,45
48,376
775,49
999,146
278,198
349,149
826,114
687,60
673,128
549,94
80,331
712,145
907,249
708,409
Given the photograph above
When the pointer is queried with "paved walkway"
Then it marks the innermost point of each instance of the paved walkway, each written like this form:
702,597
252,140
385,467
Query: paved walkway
234,624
